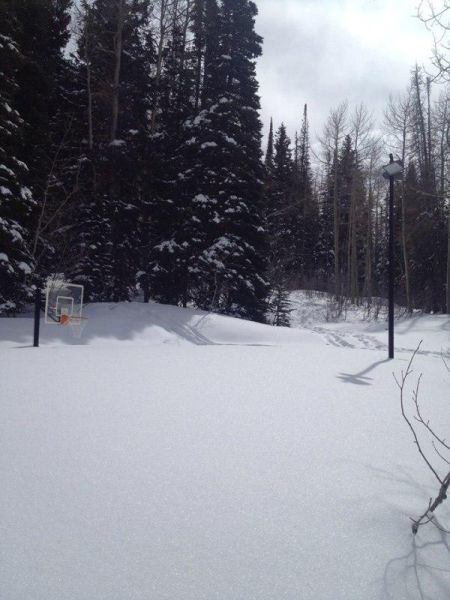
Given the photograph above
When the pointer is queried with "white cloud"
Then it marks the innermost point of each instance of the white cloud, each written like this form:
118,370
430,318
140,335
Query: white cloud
323,51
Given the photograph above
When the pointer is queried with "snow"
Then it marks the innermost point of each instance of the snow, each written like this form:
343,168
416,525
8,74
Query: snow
9,171
26,193
172,454
4,257
201,198
15,234
200,118
357,329
25,267
21,164
169,245
118,143
208,145
230,140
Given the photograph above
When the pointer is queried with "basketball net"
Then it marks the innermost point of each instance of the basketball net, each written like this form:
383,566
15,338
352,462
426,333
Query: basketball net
77,324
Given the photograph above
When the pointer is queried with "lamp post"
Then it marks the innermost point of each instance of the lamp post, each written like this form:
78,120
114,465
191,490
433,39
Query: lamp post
392,171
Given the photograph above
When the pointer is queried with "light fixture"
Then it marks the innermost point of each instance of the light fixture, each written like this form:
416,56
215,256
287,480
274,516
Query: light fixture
393,169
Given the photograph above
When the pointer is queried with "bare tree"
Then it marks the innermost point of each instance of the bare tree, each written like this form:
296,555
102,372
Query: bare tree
440,445
436,17
361,130
373,192
442,123
333,133
398,115
55,207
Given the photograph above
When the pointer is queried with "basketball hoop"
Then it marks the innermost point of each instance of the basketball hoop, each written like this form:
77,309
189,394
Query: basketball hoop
77,324
64,304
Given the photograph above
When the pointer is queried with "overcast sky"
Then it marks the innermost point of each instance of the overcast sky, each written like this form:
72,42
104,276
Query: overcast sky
324,51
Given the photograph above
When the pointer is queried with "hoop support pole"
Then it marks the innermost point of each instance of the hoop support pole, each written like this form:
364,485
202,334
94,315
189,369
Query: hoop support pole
37,316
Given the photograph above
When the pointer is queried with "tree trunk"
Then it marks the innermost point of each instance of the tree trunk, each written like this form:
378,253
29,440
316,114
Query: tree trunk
354,252
118,59
87,58
429,143
369,243
421,120
336,219
403,226
405,250
448,264
159,59
186,24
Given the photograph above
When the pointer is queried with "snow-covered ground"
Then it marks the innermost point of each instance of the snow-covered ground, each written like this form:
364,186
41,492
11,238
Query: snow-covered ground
356,327
172,454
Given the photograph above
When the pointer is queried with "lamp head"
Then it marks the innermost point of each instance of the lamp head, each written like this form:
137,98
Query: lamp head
393,169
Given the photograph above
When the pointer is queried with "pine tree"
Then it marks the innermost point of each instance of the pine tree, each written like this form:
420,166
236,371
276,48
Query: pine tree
243,209
16,200
89,224
282,222
429,222
173,227
279,305
280,217
42,78
346,168
224,178
305,208
269,152
127,179
325,238
116,55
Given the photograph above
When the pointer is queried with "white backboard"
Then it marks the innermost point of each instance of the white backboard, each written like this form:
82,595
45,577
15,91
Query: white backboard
62,298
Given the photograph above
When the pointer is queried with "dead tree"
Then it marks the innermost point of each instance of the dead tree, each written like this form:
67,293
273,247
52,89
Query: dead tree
441,447
436,18
334,131
397,121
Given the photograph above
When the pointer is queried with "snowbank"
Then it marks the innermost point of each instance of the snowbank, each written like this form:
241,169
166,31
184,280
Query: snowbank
177,455
152,324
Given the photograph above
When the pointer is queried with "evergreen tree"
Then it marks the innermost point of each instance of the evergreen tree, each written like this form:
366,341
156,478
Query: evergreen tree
16,200
325,238
281,212
269,152
279,305
305,209
224,177
173,227
346,167
42,78
115,55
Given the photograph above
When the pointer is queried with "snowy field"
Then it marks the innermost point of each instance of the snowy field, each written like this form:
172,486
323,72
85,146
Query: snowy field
172,454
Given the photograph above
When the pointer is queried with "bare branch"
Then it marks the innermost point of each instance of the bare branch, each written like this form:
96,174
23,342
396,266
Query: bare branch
401,385
420,419
428,515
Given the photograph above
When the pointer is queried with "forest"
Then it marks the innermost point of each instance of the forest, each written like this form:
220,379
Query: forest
132,161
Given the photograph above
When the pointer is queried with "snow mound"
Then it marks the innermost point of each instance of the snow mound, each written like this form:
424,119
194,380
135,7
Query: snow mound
152,324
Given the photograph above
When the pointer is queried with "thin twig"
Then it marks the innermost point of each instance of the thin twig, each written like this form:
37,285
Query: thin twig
401,386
